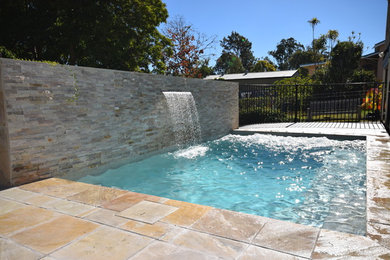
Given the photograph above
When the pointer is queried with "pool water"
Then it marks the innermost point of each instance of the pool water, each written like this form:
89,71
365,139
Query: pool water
309,180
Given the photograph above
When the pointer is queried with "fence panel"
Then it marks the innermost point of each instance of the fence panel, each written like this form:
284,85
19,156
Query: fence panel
351,102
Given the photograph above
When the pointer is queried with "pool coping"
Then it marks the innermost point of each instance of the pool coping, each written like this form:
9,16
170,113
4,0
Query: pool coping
180,229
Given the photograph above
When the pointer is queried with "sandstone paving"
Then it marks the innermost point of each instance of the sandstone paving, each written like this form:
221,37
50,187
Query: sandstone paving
106,217
156,230
187,213
9,205
17,194
256,253
96,195
68,207
11,250
22,218
164,251
52,235
129,199
209,244
379,233
57,187
288,237
146,211
40,200
104,243
332,244
230,224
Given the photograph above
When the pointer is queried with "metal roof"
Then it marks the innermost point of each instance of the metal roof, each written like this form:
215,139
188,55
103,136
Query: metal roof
255,75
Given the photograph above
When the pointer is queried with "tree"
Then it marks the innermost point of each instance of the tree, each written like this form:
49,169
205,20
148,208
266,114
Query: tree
345,58
120,34
228,63
188,48
332,36
263,65
313,22
302,57
240,47
284,51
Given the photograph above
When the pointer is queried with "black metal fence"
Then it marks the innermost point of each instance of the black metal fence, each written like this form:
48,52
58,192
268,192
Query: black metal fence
350,102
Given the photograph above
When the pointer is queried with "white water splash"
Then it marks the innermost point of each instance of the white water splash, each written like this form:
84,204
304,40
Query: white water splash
184,117
191,152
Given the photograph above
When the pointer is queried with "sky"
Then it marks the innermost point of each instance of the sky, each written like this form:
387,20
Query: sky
266,22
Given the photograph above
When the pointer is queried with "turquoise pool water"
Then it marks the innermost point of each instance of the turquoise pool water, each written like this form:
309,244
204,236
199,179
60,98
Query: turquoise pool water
314,181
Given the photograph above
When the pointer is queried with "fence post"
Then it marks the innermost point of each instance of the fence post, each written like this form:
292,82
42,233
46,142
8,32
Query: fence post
296,104
359,113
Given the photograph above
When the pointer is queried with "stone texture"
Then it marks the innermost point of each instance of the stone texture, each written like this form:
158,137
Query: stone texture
186,215
287,237
156,230
164,251
10,250
22,218
230,224
40,200
379,233
255,253
17,194
57,187
68,207
129,199
104,243
62,119
97,195
221,247
332,244
9,205
147,211
49,236
107,217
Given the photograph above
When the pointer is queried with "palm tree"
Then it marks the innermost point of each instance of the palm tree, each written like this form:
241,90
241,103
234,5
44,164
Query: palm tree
332,35
313,22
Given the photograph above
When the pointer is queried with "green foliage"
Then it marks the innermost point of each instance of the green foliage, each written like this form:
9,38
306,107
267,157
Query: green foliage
119,34
228,63
345,58
313,23
241,47
5,53
300,57
263,65
284,51
362,76
250,114
296,81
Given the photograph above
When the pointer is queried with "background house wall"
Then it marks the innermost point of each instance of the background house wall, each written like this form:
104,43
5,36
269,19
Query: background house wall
56,119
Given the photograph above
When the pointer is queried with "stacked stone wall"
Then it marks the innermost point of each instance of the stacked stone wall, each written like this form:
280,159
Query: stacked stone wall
56,120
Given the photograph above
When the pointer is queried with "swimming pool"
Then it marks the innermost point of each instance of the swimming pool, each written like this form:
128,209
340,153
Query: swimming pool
309,180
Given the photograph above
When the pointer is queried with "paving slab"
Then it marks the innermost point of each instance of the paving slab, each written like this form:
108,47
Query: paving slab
146,211
156,230
68,207
332,244
288,237
209,244
106,217
57,187
9,205
54,234
22,218
256,253
186,215
127,200
17,194
230,224
104,243
96,195
164,251
11,250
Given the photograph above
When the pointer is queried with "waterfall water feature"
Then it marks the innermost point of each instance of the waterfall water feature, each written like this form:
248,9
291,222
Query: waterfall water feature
184,117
